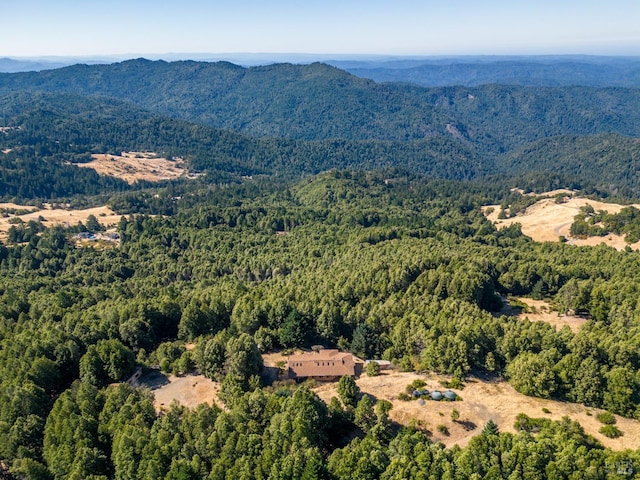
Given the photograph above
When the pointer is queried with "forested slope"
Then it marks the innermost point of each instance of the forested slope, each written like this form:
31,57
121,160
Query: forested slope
612,159
387,255
549,71
319,102
47,132
406,269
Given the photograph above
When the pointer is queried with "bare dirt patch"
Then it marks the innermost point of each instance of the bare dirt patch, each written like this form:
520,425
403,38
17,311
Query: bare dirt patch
14,206
134,166
276,359
481,401
540,311
189,391
58,216
275,366
546,221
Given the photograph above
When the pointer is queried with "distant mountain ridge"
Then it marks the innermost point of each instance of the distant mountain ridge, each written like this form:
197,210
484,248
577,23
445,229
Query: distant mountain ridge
463,70
564,71
317,101
295,119
314,101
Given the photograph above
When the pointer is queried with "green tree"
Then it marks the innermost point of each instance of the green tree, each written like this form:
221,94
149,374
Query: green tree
348,391
105,362
243,358
93,225
372,369
211,356
532,374
490,428
364,415
622,391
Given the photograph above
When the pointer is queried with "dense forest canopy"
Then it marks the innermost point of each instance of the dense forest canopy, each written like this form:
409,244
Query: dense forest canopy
406,270
366,236
318,102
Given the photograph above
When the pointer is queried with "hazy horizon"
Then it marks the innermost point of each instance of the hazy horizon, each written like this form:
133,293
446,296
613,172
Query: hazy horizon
71,28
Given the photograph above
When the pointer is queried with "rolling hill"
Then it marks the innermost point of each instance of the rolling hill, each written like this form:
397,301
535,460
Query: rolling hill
288,120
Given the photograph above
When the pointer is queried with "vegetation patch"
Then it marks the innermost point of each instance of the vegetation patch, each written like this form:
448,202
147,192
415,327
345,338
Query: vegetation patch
610,431
606,418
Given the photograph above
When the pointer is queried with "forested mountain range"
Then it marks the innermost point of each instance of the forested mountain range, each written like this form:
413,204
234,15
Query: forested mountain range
58,130
549,71
297,119
50,131
320,102
465,70
386,254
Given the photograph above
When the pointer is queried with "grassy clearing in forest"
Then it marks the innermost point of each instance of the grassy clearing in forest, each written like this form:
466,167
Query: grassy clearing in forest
482,400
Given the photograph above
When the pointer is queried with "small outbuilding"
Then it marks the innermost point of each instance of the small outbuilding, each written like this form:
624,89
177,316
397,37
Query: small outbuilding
383,364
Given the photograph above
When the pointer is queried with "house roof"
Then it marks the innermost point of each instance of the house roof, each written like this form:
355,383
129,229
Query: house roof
324,363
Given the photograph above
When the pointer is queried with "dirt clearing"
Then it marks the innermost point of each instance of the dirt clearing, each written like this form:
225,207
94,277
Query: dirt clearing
481,401
188,390
540,311
57,216
546,221
134,166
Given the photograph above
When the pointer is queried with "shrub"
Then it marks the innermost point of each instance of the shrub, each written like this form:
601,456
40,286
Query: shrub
607,418
406,364
373,369
455,415
610,431
525,423
415,385
443,429
455,382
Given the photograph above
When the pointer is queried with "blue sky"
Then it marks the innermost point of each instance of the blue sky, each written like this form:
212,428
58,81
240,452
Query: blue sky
393,27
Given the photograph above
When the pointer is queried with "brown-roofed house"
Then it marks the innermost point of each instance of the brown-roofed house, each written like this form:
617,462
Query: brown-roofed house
324,365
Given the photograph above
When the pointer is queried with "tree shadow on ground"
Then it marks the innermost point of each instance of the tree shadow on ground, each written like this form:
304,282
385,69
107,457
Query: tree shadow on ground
154,379
468,425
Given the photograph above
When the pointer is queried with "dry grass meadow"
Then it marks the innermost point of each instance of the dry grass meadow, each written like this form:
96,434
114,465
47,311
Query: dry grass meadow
56,216
546,221
540,311
188,390
134,166
481,400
